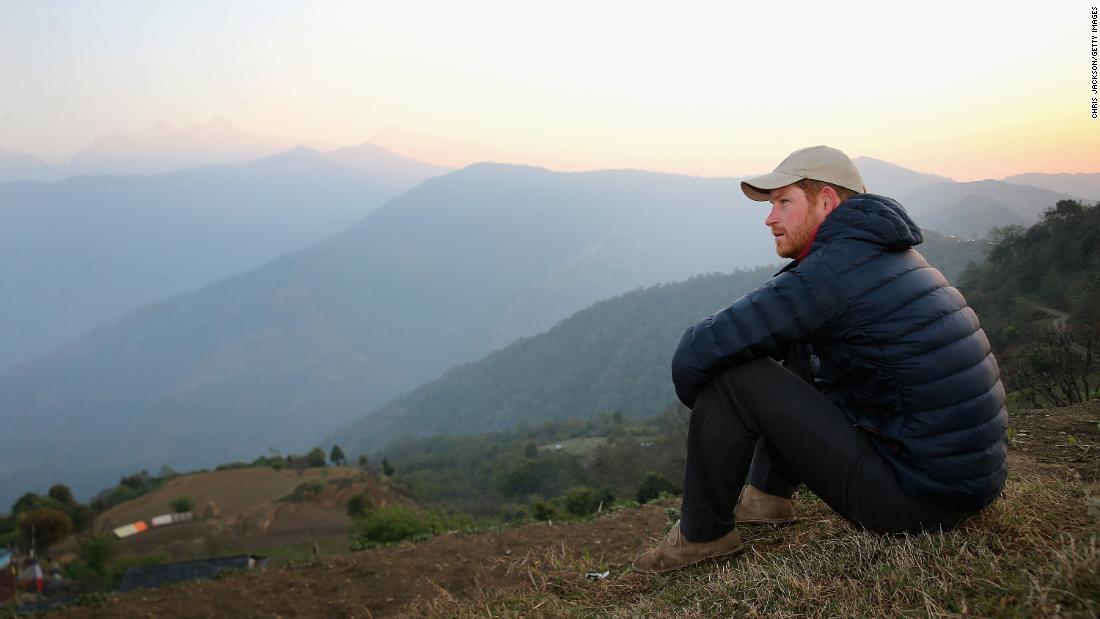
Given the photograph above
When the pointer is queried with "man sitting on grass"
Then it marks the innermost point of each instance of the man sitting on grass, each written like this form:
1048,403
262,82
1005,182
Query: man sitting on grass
888,405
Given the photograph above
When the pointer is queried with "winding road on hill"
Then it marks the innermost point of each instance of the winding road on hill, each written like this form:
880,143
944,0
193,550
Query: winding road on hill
1059,322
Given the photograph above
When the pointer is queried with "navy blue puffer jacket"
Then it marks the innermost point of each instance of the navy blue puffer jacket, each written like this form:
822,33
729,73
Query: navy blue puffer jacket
897,347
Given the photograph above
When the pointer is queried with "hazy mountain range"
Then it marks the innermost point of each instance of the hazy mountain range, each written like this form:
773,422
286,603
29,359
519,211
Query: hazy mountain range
279,356
165,148
161,148
1084,185
88,249
973,209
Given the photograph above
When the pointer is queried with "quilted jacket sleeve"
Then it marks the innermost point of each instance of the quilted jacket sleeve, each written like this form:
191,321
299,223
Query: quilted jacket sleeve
789,308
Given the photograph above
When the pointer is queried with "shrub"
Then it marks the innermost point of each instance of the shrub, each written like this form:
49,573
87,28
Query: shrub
580,501
542,510
97,551
276,462
307,491
182,503
232,466
359,505
138,480
395,523
390,524
653,485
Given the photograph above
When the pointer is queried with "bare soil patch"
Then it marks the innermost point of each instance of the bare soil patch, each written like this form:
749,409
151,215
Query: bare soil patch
1065,436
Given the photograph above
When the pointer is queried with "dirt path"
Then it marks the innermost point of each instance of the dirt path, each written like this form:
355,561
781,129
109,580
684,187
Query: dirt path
1059,322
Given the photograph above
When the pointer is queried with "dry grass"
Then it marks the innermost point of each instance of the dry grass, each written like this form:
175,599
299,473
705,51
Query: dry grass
1035,552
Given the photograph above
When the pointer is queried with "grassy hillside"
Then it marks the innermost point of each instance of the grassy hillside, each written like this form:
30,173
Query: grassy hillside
250,509
1034,552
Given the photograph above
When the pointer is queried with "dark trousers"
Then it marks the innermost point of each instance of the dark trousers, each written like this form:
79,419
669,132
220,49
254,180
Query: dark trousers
760,423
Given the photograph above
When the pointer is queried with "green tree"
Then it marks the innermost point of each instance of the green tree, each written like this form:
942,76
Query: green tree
82,516
526,477
62,494
26,502
530,450
336,456
44,526
387,468
364,461
653,485
315,458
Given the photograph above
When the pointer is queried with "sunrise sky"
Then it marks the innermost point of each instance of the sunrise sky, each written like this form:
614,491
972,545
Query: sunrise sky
965,89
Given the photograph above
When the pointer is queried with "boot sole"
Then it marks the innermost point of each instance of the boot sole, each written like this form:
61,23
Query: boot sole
710,557
773,521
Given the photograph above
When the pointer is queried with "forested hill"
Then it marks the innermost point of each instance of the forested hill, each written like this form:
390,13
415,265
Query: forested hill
612,356
1055,263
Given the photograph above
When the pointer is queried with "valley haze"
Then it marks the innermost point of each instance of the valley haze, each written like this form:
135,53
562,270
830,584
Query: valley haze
280,355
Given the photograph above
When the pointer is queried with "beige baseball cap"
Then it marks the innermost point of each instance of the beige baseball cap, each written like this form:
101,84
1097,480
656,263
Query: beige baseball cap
819,163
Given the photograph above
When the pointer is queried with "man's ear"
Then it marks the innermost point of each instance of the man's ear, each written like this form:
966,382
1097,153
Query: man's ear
830,197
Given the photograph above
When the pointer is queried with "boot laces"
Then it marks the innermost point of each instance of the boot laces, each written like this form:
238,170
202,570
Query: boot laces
673,537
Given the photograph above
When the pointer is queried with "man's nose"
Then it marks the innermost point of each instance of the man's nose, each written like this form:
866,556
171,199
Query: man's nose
772,218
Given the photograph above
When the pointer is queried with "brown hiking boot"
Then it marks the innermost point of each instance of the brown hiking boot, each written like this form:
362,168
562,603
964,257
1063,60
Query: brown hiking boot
675,552
758,507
